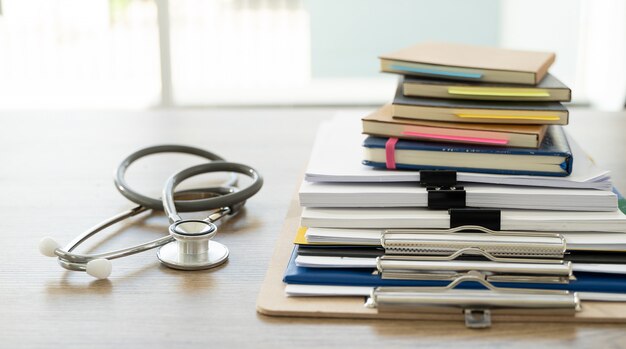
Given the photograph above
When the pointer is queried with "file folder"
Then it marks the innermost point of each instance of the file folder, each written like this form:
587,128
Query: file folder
273,300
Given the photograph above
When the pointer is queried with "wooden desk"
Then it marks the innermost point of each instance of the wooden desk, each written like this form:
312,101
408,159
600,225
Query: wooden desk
56,179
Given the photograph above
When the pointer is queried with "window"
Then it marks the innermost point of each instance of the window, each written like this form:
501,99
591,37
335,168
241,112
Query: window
187,53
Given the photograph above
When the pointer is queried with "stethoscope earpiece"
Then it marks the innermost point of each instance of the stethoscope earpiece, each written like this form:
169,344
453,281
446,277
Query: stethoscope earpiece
99,268
48,246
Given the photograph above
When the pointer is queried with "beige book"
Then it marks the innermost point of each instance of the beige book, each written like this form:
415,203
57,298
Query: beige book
382,123
469,62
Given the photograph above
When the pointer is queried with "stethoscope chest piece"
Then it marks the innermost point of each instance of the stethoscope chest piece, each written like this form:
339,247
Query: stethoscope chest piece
192,248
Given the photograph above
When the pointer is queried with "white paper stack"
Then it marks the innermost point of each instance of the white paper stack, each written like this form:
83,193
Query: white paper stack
408,218
477,195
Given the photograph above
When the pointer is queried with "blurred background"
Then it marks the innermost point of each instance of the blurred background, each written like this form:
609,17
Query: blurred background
139,54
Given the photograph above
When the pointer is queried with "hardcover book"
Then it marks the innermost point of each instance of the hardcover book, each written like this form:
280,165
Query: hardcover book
473,111
549,89
382,123
552,158
469,62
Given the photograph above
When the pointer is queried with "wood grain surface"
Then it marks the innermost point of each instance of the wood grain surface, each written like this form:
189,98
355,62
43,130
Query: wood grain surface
56,179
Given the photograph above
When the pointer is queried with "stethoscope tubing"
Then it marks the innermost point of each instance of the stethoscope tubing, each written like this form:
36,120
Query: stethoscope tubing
234,200
155,203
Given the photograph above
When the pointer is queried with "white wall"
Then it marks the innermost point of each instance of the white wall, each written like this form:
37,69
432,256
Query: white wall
545,26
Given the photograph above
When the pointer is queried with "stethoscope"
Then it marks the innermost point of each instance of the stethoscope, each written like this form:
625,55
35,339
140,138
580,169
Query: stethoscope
188,246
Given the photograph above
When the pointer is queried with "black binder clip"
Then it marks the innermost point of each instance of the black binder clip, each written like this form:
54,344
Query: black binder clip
487,218
443,191
438,178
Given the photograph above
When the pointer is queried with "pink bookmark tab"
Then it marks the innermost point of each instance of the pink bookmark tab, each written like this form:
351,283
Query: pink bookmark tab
390,153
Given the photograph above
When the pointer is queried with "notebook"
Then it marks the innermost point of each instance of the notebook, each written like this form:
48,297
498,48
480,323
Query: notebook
382,123
458,110
338,144
469,62
549,89
552,158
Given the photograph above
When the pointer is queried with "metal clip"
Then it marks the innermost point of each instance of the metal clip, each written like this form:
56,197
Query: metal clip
493,270
472,239
440,299
475,318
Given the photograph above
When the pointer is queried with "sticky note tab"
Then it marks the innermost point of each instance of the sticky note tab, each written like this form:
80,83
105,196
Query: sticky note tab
498,92
437,72
300,238
510,117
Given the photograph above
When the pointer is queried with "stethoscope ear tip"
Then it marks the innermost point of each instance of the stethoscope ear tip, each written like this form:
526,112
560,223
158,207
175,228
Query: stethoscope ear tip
48,246
99,268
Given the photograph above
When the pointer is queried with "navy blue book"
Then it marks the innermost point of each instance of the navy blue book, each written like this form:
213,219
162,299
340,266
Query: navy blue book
552,158
585,282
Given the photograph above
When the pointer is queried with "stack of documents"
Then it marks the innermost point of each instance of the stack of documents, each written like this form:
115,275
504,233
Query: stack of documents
494,219
349,209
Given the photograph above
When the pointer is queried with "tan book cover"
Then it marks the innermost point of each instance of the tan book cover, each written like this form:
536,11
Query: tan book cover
469,62
382,123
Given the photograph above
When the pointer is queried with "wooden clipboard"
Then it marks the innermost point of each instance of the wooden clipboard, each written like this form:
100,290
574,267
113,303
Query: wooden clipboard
272,300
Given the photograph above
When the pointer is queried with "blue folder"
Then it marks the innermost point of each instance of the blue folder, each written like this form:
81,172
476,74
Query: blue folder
585,282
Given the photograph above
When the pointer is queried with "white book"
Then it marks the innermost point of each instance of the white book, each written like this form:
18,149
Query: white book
408,218
477,195
337,155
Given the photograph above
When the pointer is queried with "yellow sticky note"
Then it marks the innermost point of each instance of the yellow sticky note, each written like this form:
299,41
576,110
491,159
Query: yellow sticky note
498,92
514,117
300,239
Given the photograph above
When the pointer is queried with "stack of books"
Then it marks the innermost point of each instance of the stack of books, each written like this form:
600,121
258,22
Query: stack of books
468,175
480,119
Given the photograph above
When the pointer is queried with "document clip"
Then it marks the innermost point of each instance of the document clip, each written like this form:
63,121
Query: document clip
488,218
477,305
473,239
438,178
494,269
442,188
